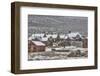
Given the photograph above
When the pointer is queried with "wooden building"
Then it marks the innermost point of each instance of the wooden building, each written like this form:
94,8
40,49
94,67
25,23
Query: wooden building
85,43
36,46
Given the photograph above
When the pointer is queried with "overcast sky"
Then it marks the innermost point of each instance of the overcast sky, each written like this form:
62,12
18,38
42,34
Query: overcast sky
57,23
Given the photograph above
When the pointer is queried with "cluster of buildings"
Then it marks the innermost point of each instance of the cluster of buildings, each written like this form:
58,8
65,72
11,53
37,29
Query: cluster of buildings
39,41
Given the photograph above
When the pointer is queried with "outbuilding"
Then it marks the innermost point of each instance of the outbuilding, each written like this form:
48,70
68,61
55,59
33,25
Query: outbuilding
36,46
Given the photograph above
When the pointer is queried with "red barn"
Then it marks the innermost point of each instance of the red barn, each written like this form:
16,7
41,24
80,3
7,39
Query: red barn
36,46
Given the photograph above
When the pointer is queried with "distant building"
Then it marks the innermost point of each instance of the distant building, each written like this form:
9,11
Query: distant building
75,36
68,39
85,43
44,37
36,46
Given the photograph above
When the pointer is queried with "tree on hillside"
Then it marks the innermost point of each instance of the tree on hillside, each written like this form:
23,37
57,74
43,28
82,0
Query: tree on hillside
50,41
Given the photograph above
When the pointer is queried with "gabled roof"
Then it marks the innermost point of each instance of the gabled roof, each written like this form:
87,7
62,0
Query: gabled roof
74,34
38,43
63,36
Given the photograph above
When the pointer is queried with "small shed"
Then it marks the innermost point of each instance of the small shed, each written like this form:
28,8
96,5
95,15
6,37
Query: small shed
36,46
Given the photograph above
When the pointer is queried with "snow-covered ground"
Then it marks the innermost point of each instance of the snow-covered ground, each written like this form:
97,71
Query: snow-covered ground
68,52
72,48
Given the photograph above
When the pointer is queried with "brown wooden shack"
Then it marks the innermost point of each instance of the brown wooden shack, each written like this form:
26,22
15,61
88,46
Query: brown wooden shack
36,46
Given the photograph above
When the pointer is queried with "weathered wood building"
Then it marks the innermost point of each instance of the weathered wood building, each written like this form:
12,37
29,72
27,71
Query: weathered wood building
85,43
35,46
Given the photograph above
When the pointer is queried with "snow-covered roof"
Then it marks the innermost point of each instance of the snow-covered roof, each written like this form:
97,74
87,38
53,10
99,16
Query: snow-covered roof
54,36
73,34
44,39
66,37
38,43
63,36
30,38
38,35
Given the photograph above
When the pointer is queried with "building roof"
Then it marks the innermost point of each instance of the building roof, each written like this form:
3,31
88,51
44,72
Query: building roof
30,38
63,36
38,43
74,34
44,39
38,35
